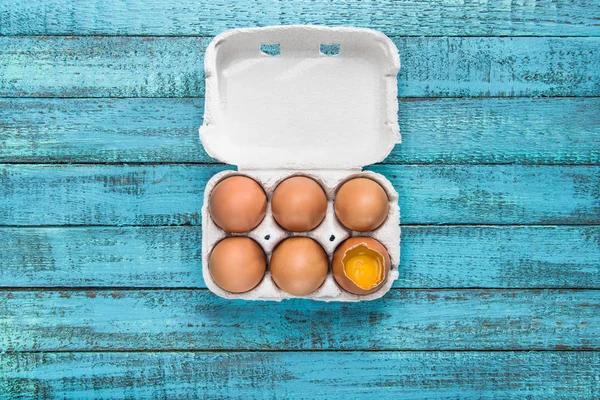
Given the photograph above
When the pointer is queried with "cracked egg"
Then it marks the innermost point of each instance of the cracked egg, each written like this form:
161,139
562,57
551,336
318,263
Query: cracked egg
360,265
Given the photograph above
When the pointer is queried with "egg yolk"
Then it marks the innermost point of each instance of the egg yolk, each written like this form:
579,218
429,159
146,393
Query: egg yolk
364,267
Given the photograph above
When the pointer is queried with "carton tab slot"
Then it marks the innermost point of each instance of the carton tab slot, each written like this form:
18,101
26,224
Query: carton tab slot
270,49
330,49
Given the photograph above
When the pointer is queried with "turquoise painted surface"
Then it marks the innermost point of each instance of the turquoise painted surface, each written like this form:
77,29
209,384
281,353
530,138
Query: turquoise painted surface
406,375
172,194
432,257
408,17
102,178
439,131
404,319
101,66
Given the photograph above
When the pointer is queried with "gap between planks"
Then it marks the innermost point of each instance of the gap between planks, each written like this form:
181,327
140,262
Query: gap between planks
414,35
217,163
401,99
74,289
448,225
141,351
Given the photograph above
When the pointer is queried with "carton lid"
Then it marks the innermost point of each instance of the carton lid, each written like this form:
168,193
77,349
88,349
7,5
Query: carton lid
327,100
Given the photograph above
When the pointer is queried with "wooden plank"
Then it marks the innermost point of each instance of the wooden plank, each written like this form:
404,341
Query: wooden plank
101,66
523,131
172,194
172,66
406,375
486,130
503,257
432,257
103,195
102,130
409,17
96,257
406,319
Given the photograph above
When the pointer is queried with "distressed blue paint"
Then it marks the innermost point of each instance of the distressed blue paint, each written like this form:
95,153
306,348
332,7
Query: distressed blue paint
86,194
205,17
449,131
432,257
172,66
387,375
404,319
478,131
101,130
172,194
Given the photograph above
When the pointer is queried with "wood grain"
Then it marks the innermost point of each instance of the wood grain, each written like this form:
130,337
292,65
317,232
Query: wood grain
102,130
405,319
406,375
173,194
101,66
442,131
173,66
408,17
480,284
432,257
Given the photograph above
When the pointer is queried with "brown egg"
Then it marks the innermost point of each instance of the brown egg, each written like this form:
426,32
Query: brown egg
237,264
361,204
360,265
299,204
238,204
299,265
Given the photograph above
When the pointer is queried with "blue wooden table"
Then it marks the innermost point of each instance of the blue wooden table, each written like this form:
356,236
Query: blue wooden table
101,183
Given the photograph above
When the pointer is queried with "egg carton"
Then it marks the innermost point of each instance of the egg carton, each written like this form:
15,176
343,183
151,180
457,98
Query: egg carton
329,234
301,110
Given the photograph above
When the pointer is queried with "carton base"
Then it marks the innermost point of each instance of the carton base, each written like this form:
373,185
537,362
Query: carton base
329,234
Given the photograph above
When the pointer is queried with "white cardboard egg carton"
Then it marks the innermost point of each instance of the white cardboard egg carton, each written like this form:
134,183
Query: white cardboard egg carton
301,112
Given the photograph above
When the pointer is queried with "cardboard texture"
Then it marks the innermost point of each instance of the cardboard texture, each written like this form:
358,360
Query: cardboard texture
301,100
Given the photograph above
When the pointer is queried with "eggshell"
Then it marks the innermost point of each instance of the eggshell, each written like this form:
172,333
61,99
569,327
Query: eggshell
299,265
299,204
338,267
361,204
237,264
238,204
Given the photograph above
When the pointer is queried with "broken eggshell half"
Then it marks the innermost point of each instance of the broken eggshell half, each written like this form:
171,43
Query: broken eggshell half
360,265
